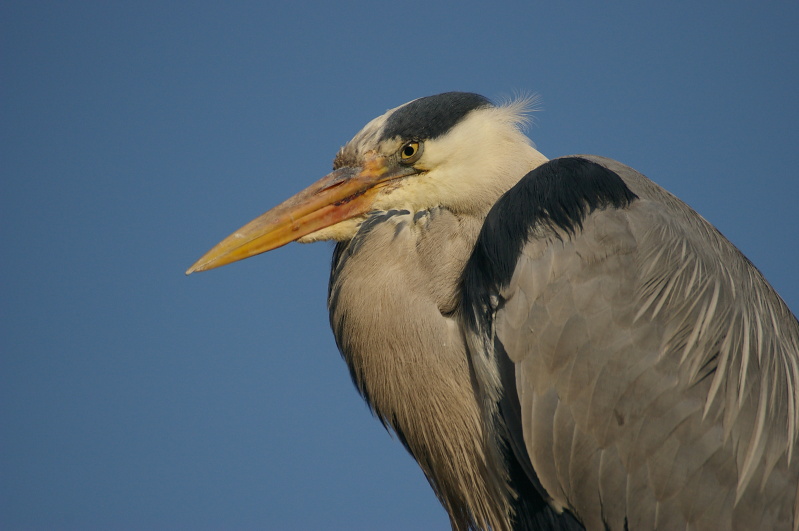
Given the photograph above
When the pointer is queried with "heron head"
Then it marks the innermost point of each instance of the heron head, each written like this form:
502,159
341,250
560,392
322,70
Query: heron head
454,150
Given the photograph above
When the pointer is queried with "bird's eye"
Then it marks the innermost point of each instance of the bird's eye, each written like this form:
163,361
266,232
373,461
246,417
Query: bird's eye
410,152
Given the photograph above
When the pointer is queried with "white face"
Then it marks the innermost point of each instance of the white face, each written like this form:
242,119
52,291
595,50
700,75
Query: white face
464,170
474,152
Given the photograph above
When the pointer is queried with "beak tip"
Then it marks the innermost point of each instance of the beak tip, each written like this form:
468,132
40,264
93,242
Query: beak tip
194,268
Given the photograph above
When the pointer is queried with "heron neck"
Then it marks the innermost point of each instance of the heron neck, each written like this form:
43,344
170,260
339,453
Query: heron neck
393,291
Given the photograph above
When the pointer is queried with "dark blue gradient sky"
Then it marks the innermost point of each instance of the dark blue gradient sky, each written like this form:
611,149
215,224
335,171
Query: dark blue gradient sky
135,135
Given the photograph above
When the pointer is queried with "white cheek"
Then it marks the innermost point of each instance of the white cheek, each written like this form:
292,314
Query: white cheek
415,193
341,231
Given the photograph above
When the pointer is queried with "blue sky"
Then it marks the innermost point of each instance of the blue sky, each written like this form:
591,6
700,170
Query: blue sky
136,135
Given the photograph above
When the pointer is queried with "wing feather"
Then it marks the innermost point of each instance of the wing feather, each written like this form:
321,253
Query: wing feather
657,370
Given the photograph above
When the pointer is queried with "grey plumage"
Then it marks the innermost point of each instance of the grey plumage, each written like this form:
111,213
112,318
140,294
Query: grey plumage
391,296
657,371
558,344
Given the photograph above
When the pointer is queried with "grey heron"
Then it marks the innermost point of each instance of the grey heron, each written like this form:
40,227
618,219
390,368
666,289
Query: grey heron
560,344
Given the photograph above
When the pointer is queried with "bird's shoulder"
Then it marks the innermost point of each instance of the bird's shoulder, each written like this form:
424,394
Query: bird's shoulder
647,352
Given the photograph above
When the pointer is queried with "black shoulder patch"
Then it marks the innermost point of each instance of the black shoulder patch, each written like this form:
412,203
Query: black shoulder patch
557,195
432,116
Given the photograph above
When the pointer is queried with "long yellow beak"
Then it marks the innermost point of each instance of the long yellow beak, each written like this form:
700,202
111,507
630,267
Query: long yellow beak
340,195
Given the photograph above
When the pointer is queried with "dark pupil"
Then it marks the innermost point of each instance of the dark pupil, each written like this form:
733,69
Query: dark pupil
409,151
